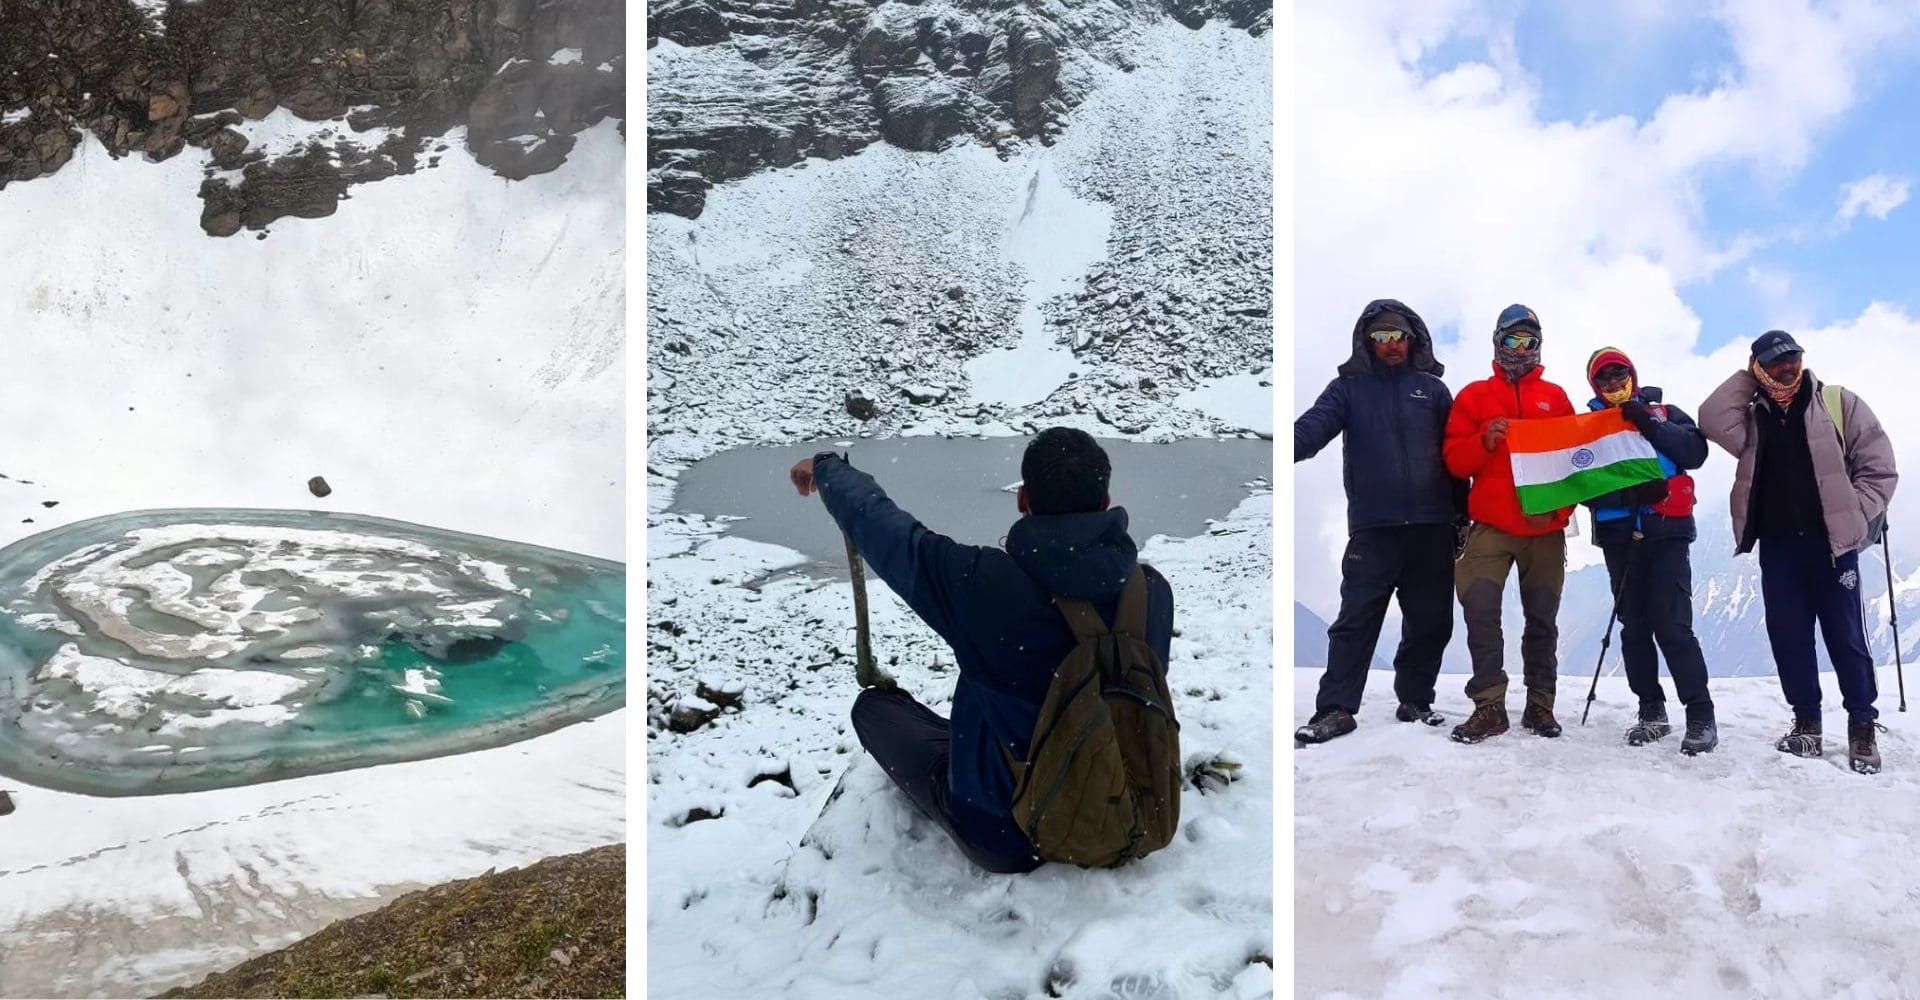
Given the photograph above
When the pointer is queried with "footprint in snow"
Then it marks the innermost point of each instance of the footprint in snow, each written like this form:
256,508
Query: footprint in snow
1140,986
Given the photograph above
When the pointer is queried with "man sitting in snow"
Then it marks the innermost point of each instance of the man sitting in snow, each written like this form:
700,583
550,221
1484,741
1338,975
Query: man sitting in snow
1812,488
996,609
1390,408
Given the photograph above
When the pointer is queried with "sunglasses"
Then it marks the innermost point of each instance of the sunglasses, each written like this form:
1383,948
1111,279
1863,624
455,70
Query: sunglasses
1520,341
1387,336
1611,376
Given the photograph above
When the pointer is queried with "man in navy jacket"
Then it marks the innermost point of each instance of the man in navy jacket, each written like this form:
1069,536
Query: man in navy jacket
995,608
1390,409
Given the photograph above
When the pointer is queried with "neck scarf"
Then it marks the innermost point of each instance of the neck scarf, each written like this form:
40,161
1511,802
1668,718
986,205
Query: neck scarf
1515,363
1781,393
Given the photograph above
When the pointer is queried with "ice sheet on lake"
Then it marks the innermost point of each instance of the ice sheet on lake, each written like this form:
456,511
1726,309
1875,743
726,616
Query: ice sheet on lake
169,651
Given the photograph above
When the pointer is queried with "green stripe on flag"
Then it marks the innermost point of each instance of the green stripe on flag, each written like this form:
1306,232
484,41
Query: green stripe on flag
1587,484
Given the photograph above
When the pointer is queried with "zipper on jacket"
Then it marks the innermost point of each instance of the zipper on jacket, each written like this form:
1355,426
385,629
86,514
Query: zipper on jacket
1400,445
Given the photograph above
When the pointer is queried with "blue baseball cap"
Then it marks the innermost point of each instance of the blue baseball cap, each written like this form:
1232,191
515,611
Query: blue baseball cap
1517,316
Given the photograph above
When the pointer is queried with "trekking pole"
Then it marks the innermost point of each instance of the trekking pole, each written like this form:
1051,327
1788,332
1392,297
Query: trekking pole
864,672
1893,613
1626,570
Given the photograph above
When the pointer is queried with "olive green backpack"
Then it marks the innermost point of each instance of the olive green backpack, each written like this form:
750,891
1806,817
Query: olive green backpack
1831,400
1101,782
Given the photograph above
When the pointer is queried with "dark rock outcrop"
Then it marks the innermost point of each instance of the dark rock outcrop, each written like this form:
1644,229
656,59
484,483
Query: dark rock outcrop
777,81
524,76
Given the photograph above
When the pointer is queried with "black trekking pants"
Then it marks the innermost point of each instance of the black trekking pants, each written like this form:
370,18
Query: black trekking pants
1802,583
1415,563
910,742
1654,578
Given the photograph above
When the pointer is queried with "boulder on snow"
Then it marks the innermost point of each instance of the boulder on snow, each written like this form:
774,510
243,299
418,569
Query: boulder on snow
6,803
860,406
725,694
689,714
318,486
923,394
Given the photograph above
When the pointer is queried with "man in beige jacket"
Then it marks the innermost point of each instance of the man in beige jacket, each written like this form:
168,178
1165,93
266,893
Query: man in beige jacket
1812,491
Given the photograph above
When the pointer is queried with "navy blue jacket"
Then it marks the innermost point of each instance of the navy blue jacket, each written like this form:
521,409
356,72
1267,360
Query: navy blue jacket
995,608
1393,421
1681,448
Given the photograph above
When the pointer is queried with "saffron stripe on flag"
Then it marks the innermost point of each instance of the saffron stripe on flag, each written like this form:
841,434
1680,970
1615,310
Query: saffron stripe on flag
1555,433
1586,484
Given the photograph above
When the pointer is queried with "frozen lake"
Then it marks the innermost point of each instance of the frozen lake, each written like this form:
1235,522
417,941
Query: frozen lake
962,487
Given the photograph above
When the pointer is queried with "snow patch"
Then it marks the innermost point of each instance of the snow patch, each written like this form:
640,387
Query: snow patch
1237,400
1055,236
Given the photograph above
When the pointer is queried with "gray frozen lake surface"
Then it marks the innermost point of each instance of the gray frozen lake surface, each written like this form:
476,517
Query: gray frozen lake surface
961,487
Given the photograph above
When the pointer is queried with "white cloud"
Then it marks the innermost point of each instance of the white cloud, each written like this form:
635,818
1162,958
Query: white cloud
1874,194
1447,190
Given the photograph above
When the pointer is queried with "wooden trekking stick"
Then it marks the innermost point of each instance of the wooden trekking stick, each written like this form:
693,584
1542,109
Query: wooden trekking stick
865,673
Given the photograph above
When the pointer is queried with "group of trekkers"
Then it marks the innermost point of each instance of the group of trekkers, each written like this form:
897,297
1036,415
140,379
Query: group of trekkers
1433,515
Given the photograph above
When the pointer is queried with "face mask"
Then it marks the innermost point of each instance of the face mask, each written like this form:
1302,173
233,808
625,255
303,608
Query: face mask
1620,395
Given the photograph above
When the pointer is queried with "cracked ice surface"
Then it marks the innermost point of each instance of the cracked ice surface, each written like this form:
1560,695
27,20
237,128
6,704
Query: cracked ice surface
170,651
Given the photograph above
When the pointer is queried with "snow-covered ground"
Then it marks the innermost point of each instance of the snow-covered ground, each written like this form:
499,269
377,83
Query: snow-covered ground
876,901
131,896
447,349
973,291
1583,867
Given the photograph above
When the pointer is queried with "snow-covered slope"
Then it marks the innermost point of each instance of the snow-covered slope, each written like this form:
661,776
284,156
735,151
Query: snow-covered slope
446,349
888,273
749,896
1580,867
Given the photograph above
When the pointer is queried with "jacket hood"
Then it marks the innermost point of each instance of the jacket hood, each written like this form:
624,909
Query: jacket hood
1087,555
1419,354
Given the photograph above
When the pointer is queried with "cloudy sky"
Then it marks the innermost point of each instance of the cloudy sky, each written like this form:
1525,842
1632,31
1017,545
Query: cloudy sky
1670,182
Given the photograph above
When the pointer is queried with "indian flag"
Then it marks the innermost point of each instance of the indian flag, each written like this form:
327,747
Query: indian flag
1561,461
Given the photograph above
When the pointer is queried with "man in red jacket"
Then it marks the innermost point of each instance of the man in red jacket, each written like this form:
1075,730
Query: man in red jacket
1503,537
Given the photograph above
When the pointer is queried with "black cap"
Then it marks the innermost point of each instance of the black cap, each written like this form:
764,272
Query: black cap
1517,317
1773,345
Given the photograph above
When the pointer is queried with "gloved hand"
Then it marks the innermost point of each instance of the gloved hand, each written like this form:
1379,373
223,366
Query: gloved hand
1637,414
1213,772
1462,527
1647,494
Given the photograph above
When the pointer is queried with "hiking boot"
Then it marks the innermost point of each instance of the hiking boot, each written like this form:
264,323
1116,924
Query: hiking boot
1862,754
1326,724
1651,726
1538,719
1408,712
1489,718
1702,736
1803,740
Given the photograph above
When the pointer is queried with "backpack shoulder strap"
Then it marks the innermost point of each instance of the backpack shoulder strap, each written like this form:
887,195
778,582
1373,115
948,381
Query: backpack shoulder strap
1831,399
1081,617
1132,616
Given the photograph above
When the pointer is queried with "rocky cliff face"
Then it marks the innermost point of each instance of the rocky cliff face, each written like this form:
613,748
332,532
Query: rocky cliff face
779,81
523,77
